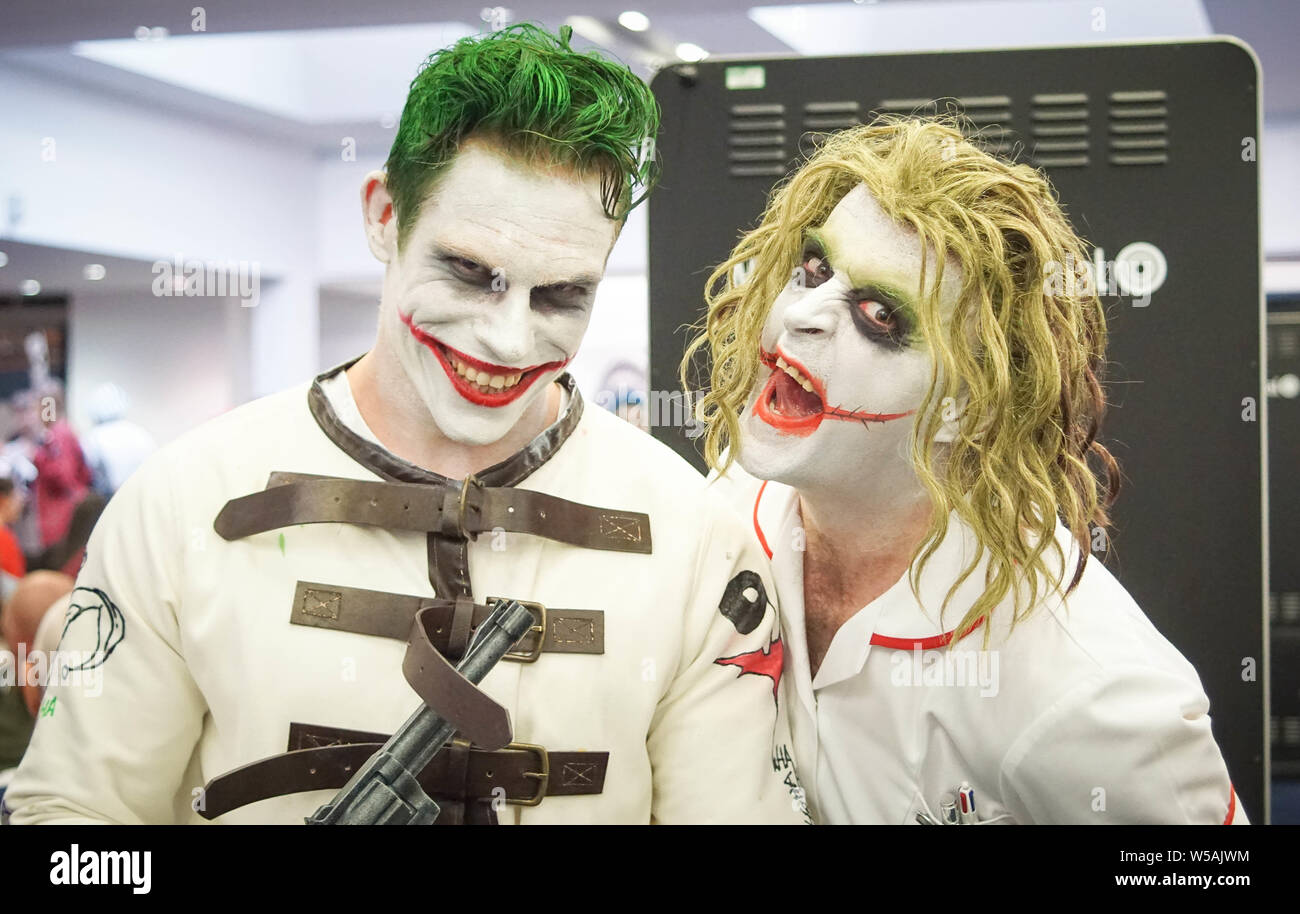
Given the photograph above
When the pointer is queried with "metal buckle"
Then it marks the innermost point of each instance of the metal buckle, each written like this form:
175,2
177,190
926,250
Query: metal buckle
539,613
543,777
471,482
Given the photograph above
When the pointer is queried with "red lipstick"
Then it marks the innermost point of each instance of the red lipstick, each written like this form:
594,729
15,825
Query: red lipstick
473,392
790,409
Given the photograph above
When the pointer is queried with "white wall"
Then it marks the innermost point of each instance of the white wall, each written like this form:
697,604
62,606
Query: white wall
180,360
100,173
1279,162
347,325
341,251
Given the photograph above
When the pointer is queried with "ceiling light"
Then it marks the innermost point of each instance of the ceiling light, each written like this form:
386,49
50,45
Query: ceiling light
691,52
634,21
4,258
29,287
93,272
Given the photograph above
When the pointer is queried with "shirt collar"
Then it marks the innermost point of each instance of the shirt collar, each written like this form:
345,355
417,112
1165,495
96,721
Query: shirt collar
508,472
896,619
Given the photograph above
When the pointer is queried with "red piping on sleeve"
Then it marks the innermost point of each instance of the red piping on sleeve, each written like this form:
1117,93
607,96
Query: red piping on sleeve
762,540
1232,804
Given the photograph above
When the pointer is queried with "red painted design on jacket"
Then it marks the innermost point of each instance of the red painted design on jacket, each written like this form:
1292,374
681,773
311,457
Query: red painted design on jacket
767,663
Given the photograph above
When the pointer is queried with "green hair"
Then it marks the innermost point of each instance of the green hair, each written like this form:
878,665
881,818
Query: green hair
1026,348
537,97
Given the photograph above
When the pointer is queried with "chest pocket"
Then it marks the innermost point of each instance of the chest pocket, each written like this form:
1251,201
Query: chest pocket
987,809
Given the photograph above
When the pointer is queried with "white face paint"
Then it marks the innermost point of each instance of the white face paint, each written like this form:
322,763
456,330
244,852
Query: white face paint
492,292
840,416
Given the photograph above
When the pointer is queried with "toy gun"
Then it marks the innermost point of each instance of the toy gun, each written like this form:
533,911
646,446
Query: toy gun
384,791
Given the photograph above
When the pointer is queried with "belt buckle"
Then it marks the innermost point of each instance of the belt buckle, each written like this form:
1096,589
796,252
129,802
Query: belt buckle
543,777
539,613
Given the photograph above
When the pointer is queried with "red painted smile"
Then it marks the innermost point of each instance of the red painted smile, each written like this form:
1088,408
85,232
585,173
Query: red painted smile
794,399
479,382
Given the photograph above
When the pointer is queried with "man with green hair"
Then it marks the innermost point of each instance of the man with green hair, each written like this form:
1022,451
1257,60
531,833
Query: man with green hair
251,591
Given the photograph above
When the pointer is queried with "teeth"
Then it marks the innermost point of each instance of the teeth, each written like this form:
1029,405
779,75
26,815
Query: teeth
795,373
486,383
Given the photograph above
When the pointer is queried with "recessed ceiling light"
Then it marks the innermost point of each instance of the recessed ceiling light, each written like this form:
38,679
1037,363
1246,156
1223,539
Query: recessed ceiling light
29,287
94,272
634,21
4,258
691,52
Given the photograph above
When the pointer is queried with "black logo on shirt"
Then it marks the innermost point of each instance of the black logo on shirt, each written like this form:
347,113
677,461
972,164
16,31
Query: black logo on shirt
91,606
744,602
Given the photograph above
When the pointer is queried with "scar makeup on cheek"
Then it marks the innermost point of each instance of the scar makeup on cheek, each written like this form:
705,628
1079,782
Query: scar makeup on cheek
479,382
794,400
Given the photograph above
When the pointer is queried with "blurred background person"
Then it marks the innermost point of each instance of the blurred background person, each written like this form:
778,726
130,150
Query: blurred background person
114,446
67,554
12,560
16,456
62,476
31,620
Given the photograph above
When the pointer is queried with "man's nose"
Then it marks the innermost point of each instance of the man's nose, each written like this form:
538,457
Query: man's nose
506,329
813,311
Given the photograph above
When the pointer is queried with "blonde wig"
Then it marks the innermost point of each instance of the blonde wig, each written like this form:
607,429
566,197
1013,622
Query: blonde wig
1022,350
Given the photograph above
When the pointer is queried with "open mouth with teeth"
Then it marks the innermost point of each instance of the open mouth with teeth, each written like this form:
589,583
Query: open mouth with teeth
479,382
794,400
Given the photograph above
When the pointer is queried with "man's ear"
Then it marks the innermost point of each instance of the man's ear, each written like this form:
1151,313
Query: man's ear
951,410
377,211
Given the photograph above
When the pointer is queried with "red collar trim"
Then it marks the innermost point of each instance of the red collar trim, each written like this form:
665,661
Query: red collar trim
922,644
878,640
762,540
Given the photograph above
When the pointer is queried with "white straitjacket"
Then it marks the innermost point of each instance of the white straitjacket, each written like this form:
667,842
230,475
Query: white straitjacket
209,674
1083,714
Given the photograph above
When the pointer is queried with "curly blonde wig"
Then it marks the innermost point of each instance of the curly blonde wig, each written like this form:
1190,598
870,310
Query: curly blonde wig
1024,346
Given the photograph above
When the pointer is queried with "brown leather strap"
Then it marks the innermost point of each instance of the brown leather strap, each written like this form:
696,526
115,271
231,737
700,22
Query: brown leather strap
390,615
448,558
457,700
456,778
453,512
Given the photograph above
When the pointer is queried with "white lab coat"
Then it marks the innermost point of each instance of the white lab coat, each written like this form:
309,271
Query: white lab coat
209,673
1083,714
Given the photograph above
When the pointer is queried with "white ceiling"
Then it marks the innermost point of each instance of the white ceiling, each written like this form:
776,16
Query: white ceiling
309,72
274,58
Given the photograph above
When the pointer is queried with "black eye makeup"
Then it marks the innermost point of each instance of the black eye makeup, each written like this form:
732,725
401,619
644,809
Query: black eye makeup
555,297
563,296
880,316
815,265
467,271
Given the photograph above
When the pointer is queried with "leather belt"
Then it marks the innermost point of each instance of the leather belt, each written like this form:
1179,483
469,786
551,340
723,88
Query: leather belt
525,774
453,697
454,511
389,615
